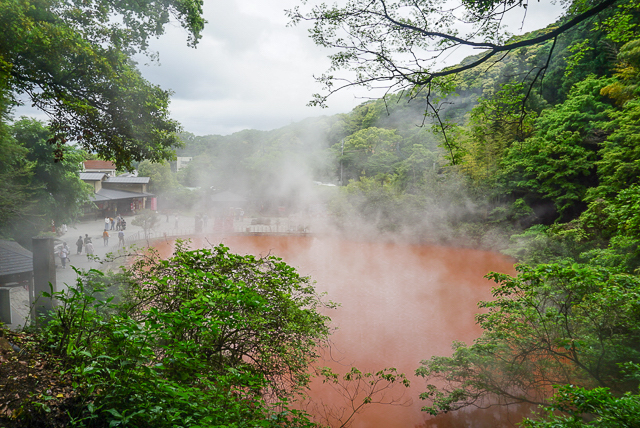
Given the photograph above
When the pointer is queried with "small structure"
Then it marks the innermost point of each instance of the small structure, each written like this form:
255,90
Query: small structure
16,274
44,277
180,162
117,195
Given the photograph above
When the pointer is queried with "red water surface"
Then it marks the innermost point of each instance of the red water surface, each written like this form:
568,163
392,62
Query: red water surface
399,304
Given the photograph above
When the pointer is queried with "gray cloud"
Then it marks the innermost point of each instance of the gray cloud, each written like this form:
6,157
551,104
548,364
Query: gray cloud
252,71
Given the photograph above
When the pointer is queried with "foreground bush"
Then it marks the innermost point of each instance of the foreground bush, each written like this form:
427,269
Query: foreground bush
205,338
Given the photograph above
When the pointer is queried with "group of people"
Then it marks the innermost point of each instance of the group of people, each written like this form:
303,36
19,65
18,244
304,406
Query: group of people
64,251
86,243
119,223
105,237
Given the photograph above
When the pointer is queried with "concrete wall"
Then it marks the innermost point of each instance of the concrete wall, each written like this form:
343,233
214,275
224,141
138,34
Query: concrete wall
44,274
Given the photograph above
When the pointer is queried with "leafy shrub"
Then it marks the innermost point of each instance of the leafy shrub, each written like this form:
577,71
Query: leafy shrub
205,338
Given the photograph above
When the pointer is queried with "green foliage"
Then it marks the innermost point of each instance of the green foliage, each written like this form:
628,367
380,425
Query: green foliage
622,25
494,125
619,167
62,194
15,176
616,221
582,407
413,169
559,162
205,338
147,219
197,171
72,60
553,324
536,245
368,152
37,189
162,179
579,50
265,319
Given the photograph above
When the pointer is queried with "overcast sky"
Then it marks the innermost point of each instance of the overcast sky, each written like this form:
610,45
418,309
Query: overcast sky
251,71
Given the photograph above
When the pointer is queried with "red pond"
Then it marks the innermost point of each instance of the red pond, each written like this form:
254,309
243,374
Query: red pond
399,304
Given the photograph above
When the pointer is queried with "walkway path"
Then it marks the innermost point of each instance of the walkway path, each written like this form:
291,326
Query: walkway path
134,235
20,297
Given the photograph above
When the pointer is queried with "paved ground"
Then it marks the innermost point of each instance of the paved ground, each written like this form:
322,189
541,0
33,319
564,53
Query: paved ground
20,297
184,226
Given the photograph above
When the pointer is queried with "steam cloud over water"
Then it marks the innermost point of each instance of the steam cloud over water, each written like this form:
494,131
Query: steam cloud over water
386,178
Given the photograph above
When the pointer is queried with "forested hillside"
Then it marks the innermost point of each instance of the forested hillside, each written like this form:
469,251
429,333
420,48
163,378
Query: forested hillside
515,144
535,155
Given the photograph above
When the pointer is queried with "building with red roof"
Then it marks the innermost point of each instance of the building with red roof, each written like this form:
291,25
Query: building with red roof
106,167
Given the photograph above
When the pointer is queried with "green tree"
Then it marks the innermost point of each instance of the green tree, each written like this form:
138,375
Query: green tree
162,179
275,325
369,152
204,338
49,190
619,166
15,177
559,162
550,325
73,61
147,219
494,124
395,43
62,194
197,173
574,407
413,169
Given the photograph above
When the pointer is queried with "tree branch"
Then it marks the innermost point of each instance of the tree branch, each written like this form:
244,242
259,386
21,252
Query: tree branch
530,42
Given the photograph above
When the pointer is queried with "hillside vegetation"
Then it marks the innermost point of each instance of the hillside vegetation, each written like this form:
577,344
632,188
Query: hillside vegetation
535,157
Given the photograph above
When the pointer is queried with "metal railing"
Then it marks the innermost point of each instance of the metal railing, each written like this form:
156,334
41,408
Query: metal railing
248,227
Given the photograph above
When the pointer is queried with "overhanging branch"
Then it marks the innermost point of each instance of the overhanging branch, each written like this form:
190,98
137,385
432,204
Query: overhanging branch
530,42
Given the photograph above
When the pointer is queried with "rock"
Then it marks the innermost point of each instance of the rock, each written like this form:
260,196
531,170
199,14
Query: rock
5,346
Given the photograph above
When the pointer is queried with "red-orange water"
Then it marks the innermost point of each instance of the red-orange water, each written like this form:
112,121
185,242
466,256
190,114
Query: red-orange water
399,304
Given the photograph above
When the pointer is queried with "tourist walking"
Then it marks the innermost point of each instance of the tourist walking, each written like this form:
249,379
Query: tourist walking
105,237
88,248
121,238
79,244
63,254
107,223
